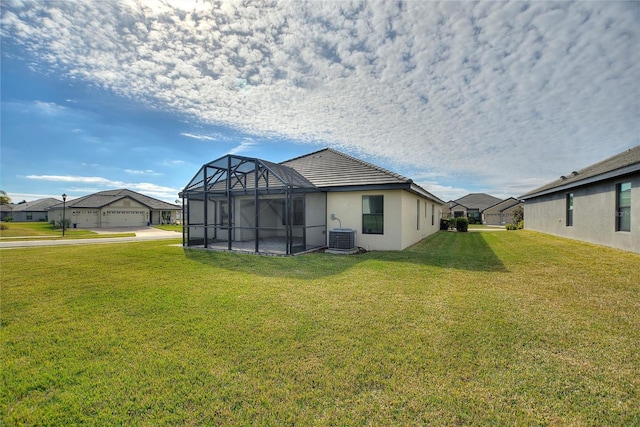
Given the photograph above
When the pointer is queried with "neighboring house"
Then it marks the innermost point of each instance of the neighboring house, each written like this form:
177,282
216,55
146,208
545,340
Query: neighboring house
240,203
115,208
502,212
598,204
5,211
471,206
36,210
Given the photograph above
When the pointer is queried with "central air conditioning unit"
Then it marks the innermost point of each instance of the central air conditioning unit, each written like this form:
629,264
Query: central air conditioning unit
342,240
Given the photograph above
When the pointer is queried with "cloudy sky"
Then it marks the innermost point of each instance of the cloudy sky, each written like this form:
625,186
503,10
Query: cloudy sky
495,97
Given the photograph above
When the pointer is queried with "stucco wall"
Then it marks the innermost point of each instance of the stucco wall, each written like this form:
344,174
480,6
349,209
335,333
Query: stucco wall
400,218
594,215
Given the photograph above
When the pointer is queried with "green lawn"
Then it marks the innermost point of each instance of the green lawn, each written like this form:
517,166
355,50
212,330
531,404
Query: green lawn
45,230
512,328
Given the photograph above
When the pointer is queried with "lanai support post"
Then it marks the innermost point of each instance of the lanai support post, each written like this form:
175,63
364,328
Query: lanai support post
206,208
229,206
256,213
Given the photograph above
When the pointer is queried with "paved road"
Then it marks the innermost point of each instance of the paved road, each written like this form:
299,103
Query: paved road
145,233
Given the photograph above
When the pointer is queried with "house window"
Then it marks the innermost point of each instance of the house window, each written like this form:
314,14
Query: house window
623,206
372,214
433,213
29,215
569,209
417,214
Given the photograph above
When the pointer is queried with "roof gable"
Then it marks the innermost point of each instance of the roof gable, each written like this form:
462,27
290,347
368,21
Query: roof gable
505,204
626,162
479,201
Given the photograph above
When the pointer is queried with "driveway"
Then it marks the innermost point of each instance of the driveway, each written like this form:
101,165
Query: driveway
142,233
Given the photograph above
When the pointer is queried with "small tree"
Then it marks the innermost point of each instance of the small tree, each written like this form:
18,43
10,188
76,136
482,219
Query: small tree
4,198
518,215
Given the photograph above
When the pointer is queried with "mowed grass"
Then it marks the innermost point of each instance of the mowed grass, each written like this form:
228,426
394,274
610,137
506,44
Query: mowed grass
47,231
511,328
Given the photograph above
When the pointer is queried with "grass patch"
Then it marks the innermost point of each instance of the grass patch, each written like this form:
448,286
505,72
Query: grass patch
464,328
44,230
170,227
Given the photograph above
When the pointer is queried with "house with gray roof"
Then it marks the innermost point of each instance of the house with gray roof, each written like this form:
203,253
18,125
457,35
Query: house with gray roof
322,199
115,208
471,206
599,203
502,212
36,210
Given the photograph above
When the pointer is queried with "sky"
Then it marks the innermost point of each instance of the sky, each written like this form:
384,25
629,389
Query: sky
462,97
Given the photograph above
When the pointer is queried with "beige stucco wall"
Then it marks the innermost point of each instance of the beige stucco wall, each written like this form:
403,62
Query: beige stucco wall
594,215
400,218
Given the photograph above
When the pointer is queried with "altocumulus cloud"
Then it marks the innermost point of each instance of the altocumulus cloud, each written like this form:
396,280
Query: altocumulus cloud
497,90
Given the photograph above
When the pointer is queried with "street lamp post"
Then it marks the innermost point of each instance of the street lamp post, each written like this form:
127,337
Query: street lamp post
64,208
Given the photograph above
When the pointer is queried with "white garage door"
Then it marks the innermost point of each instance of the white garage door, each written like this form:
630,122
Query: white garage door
85,219
125,218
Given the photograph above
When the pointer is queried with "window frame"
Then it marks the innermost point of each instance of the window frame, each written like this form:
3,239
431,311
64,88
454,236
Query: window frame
623,211
367,216
569,201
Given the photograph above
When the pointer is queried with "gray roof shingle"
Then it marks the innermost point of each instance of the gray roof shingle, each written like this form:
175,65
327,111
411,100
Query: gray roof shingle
330,169
103,198
39,205
626,162
479,201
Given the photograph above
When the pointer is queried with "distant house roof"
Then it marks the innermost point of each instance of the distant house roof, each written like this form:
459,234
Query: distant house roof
621,164
39,205
332,170
480,201
505,204
104,198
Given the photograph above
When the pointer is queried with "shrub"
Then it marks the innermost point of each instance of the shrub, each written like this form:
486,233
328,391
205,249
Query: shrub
520,225
7,219
511,226
452,222
67,223
462,224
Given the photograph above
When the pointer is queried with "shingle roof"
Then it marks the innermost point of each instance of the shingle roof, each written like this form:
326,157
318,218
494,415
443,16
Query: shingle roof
623,163
479,201
103,198
36,205
505,204
331,169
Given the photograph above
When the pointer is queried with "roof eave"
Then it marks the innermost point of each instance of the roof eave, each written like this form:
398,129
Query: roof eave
590,180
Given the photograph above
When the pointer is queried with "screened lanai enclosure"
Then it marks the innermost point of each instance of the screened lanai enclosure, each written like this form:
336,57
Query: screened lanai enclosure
245,204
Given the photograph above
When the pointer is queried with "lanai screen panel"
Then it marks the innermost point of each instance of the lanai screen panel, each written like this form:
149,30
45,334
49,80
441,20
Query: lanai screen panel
247,204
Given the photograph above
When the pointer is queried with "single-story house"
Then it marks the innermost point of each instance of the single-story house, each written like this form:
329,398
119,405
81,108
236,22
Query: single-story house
471,206
502,212
598,204
322,199
5,211
115,208
36,210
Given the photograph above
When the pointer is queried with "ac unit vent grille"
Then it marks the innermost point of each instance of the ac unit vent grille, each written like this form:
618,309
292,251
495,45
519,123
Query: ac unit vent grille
342,239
